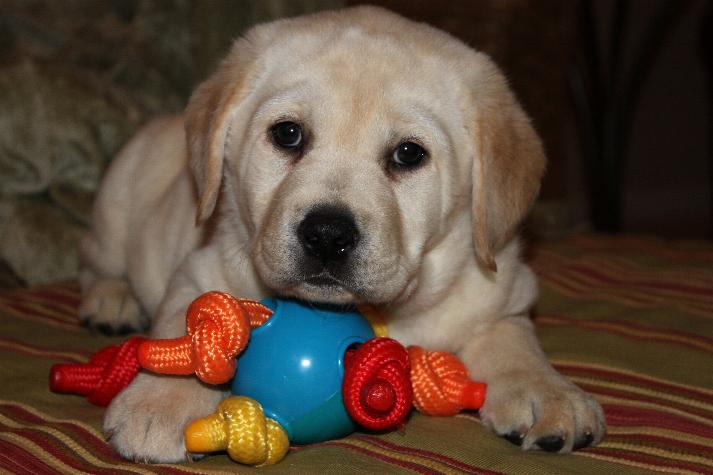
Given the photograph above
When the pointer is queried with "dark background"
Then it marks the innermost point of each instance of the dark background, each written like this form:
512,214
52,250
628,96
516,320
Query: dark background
619,90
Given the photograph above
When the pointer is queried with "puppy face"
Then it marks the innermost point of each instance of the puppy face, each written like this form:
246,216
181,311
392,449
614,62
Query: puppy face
348,145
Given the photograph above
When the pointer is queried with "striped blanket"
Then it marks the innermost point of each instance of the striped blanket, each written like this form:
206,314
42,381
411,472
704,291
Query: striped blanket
628,319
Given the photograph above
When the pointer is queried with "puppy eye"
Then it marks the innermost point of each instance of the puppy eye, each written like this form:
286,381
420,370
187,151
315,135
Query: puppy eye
408,154
287,135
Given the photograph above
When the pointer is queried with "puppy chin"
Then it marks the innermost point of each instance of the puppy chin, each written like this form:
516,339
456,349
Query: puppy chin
285,284
334,293
323,288
323,293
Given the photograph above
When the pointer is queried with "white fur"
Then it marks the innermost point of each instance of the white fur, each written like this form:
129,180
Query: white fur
361,80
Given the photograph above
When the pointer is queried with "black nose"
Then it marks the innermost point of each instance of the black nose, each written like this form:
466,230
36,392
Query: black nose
329,234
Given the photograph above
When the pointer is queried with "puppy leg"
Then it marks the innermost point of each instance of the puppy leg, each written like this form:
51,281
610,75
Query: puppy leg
145,422
108,302
528,402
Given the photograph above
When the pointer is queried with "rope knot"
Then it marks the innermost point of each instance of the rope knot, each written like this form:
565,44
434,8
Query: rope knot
240,427
376,387
108,371
218,327
441,385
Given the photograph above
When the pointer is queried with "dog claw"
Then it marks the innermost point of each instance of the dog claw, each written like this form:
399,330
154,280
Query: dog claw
551,443
514,438
105,329
125,330
583,441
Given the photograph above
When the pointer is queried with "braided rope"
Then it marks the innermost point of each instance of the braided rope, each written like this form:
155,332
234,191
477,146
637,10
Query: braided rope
376,388
441,386
108,371
382,380
240,427
218,329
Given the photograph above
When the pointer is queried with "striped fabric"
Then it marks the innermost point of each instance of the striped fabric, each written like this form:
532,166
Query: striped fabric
628,319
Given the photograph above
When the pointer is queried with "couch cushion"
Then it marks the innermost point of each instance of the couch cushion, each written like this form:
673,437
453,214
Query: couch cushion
628,319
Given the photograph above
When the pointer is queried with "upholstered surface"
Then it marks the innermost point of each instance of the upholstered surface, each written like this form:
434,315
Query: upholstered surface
628,319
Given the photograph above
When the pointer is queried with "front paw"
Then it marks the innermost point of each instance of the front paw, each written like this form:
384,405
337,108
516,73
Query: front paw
542,411
145,422
110,307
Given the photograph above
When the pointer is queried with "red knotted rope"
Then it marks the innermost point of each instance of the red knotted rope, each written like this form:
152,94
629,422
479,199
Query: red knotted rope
109,370
218,330
376,388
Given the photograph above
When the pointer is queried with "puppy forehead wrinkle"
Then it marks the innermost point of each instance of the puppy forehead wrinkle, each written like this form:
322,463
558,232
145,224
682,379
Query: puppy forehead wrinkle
415,120
287,100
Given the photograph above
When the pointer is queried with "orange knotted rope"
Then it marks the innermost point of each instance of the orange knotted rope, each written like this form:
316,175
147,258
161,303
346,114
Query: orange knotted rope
218,329
441,385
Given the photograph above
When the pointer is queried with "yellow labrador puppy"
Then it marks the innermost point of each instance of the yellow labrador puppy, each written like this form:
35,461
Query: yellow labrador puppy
343,157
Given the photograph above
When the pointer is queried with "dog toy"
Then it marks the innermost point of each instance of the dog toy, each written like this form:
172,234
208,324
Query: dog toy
218,327
240,427
304,351
109,371
376,394
316,373
441,384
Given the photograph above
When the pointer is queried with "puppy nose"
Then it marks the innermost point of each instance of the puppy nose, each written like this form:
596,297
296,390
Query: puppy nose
329,234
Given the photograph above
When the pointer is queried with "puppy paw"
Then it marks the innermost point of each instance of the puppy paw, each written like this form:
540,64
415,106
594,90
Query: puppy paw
542,411
145,422
109,306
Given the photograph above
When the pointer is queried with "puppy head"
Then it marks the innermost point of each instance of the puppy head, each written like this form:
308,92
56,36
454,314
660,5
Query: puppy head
349,144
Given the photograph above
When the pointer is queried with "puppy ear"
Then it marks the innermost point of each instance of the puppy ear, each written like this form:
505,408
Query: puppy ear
210,111
508,166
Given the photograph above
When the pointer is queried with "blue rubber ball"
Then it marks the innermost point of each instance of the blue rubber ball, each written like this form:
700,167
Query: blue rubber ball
294,366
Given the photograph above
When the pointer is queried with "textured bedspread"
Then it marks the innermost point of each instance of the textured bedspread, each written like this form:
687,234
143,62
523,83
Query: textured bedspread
628,319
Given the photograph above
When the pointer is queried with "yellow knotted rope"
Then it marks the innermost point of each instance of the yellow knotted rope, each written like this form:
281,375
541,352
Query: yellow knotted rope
240,427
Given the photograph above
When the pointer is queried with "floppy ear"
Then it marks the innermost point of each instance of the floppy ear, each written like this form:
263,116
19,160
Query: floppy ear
210,111
508,165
